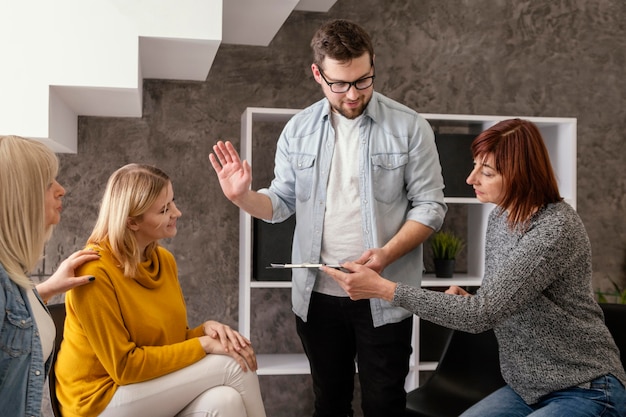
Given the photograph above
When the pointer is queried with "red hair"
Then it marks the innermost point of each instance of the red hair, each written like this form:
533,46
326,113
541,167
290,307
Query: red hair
521,157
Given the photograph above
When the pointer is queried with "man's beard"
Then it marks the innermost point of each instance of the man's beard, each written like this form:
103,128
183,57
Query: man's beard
354,113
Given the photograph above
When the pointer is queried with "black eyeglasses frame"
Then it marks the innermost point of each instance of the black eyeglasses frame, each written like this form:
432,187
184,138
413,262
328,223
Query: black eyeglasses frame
350,83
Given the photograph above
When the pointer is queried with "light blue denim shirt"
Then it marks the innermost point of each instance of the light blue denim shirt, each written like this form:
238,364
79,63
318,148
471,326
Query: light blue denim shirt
22,369
400,180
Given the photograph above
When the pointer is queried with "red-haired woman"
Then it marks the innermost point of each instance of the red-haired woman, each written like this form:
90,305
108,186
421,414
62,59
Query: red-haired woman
556,354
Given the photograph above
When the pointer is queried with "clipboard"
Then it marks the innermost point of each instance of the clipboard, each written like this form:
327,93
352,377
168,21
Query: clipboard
305,265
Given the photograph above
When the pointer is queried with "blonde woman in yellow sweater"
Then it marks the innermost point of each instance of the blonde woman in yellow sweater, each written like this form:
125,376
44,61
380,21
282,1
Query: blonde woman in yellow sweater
127,348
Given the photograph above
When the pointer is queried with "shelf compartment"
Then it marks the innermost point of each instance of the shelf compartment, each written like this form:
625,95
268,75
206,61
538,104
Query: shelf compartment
283,364
298,364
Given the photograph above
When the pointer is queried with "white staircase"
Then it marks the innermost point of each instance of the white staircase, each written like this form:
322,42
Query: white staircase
64,58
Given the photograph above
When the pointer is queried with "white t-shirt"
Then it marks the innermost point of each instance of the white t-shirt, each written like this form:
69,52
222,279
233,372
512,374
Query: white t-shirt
342,237
45,325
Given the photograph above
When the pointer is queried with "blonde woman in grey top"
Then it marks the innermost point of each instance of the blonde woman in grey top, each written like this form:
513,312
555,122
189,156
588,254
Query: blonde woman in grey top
556,354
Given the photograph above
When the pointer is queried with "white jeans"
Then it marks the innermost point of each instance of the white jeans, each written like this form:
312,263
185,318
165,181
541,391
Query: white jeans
215,386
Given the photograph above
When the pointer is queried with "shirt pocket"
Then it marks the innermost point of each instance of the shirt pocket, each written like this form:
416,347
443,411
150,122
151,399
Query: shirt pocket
17,333
388,175
303,166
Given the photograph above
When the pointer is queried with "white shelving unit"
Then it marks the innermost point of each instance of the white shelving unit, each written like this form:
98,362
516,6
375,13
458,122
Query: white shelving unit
560,138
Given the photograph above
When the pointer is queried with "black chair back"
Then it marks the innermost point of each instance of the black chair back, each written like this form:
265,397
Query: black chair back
469,370
615,319
57,311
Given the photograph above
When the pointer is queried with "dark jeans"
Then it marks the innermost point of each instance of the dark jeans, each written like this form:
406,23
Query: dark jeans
339,331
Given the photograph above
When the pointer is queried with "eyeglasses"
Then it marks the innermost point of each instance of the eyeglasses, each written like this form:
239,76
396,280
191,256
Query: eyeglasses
344,86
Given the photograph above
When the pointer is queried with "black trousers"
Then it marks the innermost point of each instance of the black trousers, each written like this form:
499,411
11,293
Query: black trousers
338,332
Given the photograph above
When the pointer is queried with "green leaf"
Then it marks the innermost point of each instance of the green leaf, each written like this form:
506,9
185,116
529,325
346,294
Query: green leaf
618,295
446,245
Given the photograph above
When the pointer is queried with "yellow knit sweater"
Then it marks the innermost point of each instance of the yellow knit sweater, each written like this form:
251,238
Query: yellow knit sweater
121,330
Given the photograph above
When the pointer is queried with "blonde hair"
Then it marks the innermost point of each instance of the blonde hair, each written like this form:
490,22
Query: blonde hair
130,192
27,170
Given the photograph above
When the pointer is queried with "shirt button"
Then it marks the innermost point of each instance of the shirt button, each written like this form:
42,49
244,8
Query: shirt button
37,373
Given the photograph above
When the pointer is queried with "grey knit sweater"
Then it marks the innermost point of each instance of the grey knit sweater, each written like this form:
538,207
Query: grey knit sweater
537,296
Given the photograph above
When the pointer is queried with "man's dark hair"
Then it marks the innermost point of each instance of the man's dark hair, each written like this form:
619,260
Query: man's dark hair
341,40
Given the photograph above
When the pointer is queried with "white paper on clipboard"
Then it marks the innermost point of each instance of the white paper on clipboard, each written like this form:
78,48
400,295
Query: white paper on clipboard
290,266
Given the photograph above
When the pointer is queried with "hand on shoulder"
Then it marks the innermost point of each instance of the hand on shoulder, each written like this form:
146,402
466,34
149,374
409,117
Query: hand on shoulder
64,278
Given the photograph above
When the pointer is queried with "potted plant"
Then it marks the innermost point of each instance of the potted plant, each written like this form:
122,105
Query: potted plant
445,247
617,296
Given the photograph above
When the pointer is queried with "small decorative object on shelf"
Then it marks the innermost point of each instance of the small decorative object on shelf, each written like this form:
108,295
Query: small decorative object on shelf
445,246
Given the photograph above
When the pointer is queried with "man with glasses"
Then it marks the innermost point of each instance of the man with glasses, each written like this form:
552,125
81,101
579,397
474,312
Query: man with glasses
361,173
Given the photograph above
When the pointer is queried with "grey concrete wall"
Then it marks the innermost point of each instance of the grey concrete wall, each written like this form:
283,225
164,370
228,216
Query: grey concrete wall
559,58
